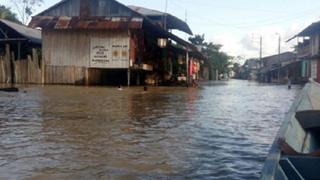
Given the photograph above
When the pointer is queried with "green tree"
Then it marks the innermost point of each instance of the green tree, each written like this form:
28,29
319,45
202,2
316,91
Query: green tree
6,13
236,69
217,59
25,8
197,40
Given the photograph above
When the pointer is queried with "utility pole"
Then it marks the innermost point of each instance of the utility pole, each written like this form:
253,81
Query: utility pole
260,63
165,15
186,20
260,49
260,53
279,52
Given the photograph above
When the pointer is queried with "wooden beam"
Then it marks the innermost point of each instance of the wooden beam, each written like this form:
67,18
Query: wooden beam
13,39
3,33
129,76
19,50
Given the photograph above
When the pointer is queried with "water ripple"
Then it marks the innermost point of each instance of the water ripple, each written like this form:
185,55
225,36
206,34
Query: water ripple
220,131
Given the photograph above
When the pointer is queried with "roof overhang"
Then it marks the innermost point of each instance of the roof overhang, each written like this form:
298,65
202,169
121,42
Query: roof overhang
103,23
23,32
311,30
172,22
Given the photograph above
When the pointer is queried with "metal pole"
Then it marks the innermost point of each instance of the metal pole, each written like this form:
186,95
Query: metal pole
260,48
260,53
19,50
279,52
165,15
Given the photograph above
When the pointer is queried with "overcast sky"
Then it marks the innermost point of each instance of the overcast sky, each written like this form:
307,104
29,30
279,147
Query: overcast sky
237,24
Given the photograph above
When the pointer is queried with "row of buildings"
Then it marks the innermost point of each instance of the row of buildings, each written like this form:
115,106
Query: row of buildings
297,66
101,42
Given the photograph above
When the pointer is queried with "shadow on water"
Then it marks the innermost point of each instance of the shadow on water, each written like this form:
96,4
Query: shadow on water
222,130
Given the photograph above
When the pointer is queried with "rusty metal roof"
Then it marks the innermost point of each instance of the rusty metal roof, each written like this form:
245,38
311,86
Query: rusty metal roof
49,22
33,35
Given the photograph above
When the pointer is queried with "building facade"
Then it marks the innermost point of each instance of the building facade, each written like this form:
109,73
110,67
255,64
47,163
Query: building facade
309,51
106,42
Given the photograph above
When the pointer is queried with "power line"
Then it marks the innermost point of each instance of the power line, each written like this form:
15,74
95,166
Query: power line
298,15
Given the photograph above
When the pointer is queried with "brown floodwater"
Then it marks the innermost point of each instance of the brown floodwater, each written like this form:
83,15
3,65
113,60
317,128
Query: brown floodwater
218,131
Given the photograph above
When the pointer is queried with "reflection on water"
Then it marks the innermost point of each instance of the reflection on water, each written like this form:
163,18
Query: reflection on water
219,131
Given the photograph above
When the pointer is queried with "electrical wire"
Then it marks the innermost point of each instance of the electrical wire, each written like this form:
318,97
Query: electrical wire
273,21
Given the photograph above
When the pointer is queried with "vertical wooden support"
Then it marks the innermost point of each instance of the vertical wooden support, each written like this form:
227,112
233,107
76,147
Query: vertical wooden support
187,66
19,51
17,71
128,76
36,68
7,64
43,70
2,75
12,68
87,78
30,69
138,78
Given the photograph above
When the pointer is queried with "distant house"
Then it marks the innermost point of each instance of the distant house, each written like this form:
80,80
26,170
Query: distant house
279,68
308,50
20,60
252,66
106,42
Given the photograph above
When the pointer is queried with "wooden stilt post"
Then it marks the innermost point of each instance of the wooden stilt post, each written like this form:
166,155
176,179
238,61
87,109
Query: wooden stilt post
138,78
43,70
129,76
187,66
19,50
7,64
87,83
12,68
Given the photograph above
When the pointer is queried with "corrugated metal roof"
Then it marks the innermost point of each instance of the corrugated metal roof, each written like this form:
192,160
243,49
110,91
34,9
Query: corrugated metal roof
86,23
33,35
172,21
313,29
146,11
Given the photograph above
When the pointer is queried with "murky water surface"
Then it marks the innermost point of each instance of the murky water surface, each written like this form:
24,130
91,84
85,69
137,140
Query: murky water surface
219,131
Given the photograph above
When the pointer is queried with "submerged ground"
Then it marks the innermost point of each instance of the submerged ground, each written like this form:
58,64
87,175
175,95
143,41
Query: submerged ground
220,131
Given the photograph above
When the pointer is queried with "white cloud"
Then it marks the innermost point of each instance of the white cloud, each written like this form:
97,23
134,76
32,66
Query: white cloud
248,45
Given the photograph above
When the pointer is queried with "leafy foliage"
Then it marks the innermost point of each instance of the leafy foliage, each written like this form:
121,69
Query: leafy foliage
217,59
6,13
197,40
25,8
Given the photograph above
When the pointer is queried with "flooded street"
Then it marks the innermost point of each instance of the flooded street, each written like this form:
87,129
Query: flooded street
220,131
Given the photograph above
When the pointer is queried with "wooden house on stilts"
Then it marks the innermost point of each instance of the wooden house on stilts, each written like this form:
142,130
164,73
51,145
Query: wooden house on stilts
20,53
96,42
